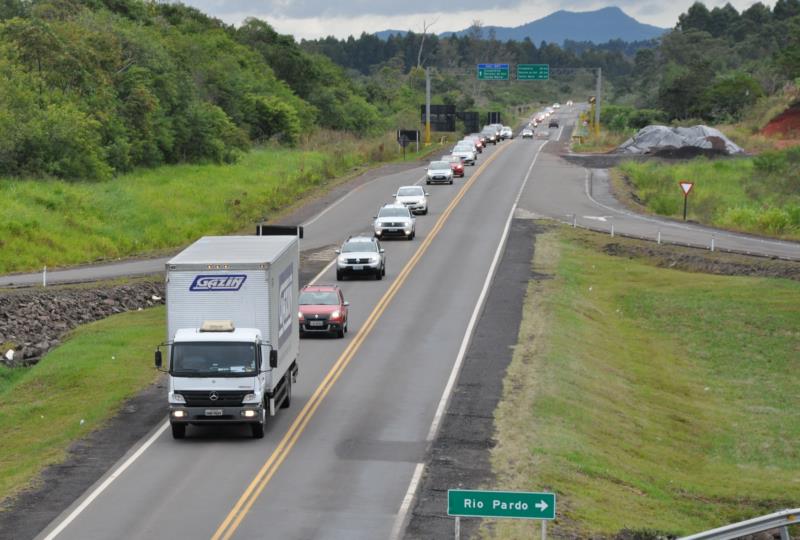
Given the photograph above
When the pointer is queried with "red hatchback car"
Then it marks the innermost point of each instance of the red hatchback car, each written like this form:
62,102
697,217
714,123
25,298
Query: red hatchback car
323,310
456,165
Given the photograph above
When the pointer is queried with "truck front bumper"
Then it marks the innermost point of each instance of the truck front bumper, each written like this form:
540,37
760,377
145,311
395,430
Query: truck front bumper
179,414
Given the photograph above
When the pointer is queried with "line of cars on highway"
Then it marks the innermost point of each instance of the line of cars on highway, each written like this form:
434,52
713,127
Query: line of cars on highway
536,125
323,309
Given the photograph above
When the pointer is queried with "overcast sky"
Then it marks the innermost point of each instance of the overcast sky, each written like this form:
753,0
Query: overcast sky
319,18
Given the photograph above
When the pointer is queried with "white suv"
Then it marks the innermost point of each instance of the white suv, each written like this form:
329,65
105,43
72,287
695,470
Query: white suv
395,220
360,255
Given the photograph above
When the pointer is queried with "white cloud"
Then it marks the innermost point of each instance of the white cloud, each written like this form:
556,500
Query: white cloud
312,19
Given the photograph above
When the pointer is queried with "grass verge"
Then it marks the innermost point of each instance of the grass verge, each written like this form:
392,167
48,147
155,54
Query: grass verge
649,399
72,391
754,195
606,141
59,223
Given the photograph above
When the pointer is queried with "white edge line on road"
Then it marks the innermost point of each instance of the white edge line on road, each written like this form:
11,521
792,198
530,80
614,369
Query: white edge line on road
322,272
136,455
669,224
107,482
141,450
338,201
399,524
400,520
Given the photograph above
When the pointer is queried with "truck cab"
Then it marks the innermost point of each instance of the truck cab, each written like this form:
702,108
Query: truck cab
218,374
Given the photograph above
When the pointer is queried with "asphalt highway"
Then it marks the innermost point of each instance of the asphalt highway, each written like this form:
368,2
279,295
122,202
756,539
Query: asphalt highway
582,197
342,461
559,190
339,462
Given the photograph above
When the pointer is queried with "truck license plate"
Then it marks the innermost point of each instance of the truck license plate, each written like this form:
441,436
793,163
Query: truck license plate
316,323
213,412
358,267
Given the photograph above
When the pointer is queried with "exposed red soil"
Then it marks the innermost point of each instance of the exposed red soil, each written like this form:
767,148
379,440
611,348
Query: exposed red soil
786,125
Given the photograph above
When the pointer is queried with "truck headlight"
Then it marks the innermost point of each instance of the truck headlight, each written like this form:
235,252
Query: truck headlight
252,398
176,398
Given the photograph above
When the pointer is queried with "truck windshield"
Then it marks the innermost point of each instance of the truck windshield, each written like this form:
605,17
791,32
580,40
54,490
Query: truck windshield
209,359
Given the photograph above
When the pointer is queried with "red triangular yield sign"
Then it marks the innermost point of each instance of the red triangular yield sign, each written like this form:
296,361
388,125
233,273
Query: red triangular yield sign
686,186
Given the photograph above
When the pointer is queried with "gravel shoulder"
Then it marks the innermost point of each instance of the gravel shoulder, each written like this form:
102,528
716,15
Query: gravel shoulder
459,456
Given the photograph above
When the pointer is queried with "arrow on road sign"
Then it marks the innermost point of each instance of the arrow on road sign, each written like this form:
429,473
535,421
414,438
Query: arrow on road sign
541,505
686,186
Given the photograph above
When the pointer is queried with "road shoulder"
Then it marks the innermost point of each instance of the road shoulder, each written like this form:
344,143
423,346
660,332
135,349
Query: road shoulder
459,455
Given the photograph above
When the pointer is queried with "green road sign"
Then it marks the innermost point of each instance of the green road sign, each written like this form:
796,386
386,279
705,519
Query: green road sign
533,72
493,72
501,504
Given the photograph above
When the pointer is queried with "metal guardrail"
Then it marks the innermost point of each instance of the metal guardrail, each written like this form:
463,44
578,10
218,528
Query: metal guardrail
779,520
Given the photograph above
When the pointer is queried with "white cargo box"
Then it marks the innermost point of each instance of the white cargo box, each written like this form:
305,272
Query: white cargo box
250,280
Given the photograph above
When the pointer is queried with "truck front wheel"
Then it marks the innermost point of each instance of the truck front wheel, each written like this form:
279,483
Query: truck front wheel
178,431
258,428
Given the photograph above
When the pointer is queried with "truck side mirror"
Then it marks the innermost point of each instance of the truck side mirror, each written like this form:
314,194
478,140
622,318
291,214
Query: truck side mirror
273,358
158,359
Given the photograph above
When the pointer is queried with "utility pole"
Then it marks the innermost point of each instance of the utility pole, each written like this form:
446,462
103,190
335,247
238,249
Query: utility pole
597,101
427,105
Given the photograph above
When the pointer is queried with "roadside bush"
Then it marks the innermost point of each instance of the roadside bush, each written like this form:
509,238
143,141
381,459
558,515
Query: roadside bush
621,118
55,140
274,118
774,221
211,135
729,95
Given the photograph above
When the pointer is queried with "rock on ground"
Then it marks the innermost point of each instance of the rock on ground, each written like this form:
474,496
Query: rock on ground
34,321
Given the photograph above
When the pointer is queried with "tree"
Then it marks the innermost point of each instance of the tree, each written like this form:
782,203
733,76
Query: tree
697,17
729,95
425,28
786,9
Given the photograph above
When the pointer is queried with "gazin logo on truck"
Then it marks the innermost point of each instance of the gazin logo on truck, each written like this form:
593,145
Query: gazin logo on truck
218,282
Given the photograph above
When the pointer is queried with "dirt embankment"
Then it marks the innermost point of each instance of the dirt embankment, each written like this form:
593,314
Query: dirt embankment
785,127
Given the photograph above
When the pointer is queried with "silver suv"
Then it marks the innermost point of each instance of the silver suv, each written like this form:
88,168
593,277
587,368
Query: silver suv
395,220
360,255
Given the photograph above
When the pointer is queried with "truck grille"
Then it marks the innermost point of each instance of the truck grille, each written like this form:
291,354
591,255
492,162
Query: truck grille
358,261
202,398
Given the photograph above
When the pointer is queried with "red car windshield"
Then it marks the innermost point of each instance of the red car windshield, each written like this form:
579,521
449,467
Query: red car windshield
319,298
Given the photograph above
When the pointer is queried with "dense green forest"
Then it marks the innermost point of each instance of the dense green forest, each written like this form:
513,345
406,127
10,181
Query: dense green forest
716,63
710,67
94,88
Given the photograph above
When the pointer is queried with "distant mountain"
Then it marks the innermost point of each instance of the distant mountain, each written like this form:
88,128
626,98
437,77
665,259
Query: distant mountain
598,26
384,34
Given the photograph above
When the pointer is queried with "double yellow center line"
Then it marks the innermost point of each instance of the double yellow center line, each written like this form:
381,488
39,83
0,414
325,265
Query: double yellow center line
270,467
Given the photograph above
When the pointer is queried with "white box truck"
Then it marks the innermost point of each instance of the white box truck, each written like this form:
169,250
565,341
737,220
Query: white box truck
232,330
